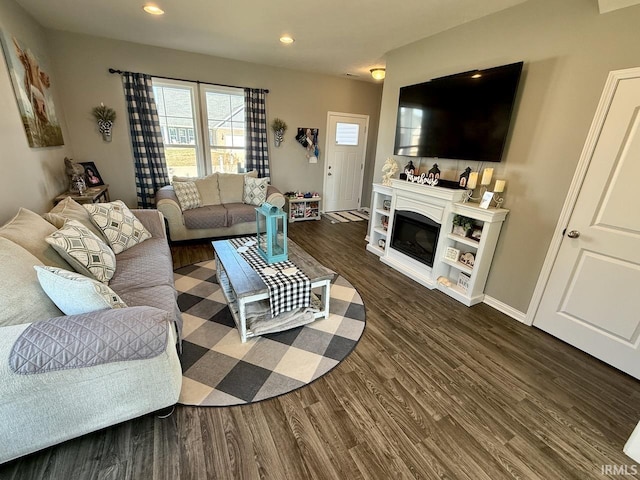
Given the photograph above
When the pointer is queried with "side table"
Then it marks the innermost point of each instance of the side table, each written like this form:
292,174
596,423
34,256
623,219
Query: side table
91,195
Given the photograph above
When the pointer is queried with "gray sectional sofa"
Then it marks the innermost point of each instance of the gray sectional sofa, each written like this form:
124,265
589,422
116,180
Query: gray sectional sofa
223,210
54,388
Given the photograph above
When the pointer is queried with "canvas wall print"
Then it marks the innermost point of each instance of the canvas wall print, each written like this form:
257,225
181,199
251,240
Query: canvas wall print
31,85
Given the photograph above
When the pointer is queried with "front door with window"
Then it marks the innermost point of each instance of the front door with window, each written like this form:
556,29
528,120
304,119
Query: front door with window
345,157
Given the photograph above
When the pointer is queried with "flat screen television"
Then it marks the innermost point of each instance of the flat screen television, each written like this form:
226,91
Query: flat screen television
464,116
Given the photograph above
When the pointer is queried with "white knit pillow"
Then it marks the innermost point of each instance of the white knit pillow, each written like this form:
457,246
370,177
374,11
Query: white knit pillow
74,293
188,195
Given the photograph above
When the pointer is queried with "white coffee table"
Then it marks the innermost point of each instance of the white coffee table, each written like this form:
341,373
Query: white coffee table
242,285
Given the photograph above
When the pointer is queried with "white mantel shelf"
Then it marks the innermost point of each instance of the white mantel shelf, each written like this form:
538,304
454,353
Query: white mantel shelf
448,194
472,210
440,205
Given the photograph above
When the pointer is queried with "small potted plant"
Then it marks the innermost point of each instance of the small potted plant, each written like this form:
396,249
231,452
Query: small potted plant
105,117
279,127
462,225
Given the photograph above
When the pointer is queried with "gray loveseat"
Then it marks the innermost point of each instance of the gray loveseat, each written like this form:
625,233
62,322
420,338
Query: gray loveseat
93,389
223,211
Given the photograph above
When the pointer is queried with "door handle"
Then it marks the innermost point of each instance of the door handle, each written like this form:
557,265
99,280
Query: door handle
573,234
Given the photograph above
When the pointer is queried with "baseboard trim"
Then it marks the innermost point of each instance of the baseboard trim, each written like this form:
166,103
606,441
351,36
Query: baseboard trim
506,309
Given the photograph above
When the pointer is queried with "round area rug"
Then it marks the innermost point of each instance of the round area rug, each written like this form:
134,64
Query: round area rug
218,370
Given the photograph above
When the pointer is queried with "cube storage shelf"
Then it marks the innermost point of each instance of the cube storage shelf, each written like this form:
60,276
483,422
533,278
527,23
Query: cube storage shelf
467,282
381,195
299,209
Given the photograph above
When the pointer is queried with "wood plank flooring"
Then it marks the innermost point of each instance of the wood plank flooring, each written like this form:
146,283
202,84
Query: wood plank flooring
433,390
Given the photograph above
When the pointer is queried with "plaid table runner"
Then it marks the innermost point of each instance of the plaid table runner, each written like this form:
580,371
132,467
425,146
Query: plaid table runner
285,292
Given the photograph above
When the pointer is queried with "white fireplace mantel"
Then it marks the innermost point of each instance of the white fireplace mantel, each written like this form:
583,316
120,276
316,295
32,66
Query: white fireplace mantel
440,205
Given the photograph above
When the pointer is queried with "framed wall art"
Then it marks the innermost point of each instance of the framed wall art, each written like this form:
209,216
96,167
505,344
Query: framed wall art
31,85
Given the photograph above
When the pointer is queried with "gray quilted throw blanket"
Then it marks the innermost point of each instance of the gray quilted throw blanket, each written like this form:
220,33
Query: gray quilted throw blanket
95,338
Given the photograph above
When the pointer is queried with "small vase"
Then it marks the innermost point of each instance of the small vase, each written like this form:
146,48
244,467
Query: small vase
459,230
104,127
278,137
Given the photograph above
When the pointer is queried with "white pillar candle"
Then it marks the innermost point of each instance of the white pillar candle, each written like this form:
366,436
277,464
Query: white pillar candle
473,180
499,188
486,176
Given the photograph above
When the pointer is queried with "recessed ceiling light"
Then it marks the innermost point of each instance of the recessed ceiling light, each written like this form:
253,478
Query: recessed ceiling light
476,75
153,10
286,39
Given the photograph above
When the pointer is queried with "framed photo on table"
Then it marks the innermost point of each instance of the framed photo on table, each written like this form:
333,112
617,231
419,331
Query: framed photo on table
91,175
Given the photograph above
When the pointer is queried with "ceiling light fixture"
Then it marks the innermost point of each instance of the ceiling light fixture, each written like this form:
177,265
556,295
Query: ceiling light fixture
286,39
153,10
476,75
378,73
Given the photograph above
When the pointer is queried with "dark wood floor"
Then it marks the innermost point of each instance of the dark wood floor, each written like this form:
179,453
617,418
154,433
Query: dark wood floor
433,390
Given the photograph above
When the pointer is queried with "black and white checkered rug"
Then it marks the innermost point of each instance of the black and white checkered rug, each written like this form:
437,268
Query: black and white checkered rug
219,370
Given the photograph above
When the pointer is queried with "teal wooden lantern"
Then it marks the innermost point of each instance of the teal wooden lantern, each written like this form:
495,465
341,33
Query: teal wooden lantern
271,227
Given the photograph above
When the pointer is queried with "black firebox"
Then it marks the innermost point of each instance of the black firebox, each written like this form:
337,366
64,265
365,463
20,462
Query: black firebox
415,235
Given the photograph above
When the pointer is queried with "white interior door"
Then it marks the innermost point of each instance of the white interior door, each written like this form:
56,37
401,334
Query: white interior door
344,168
591,296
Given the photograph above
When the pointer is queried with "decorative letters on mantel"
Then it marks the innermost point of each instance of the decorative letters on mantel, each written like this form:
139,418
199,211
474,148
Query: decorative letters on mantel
422,179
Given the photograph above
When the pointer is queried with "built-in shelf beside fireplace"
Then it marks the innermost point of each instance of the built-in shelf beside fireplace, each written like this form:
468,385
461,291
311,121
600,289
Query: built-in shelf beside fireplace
425,215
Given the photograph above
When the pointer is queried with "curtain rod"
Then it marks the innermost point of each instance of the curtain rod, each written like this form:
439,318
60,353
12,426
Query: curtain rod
120,72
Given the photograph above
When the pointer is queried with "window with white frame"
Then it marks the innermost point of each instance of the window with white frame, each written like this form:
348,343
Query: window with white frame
186,111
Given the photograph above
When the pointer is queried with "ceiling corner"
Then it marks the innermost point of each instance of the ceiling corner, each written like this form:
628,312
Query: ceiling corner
611,5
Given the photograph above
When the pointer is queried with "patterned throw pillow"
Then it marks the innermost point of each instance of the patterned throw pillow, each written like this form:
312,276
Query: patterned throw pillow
120,226
84,251
255,190
188,195
74,293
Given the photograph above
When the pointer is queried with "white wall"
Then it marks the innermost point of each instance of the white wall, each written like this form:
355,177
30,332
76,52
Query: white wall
568,49
31,177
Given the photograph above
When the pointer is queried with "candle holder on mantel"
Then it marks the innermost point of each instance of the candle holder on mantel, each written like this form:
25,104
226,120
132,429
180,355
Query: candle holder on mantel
498,188
487,174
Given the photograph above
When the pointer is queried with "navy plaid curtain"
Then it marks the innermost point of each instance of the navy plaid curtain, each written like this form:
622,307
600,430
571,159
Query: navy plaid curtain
255,113
146,138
